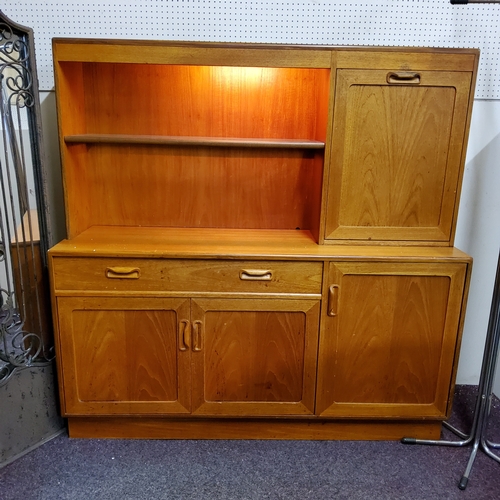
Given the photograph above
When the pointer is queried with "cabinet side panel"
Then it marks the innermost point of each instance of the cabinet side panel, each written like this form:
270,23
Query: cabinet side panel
70,93
70,98
78,189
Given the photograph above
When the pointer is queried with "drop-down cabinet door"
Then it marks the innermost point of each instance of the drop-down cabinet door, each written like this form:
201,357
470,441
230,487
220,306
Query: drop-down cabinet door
397,155
389,339
123,355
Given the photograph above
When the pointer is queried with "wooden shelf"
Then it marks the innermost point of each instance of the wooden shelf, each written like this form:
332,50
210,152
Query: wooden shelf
217,243
160,140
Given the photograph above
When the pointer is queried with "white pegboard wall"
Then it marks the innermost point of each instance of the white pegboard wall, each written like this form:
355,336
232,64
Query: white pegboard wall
428,23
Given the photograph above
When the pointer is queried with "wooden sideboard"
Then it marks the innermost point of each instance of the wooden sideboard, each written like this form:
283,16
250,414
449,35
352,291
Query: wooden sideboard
260,239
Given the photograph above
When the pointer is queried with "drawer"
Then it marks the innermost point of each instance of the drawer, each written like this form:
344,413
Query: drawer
179,275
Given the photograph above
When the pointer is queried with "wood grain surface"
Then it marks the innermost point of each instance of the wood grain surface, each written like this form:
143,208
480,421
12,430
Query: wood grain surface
163,428
184,187
183,275
399,148
391,346
120,355
258,356
201,181
216,243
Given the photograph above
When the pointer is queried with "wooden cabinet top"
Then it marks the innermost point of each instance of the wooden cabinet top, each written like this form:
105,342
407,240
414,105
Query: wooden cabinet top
105,241
255,54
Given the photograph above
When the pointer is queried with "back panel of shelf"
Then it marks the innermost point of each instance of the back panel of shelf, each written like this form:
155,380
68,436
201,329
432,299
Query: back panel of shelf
185,187
179,100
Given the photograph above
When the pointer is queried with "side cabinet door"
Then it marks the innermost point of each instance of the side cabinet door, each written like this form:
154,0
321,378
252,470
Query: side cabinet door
389,339
396,155
254,356
124,355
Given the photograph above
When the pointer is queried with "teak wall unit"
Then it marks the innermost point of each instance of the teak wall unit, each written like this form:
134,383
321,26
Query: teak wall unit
259,231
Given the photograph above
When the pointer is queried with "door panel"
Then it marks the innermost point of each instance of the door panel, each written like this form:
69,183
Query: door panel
237,370
122,355
257,357
396,155
392,341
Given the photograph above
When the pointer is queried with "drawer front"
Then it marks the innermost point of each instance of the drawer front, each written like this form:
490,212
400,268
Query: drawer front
178,275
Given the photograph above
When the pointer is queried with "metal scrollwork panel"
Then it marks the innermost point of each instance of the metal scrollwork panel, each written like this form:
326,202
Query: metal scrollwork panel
25,336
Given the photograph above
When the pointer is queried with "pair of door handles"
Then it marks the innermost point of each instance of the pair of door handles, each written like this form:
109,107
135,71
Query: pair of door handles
190,335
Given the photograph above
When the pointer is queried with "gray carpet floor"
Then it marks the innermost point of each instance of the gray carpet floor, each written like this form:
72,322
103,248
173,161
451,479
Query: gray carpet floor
80,469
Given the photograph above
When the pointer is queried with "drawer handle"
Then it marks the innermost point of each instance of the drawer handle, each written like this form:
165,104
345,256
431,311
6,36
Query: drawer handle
403,77
127,273
333,296
197,336
256,275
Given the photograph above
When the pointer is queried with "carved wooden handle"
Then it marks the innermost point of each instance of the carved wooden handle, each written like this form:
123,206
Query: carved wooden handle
403,77
127,273
183,335
197,336
256,275
333,295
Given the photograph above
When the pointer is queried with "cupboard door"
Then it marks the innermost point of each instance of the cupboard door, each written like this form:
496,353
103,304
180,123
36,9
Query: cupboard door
124,356
396,160
389,342
254,357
